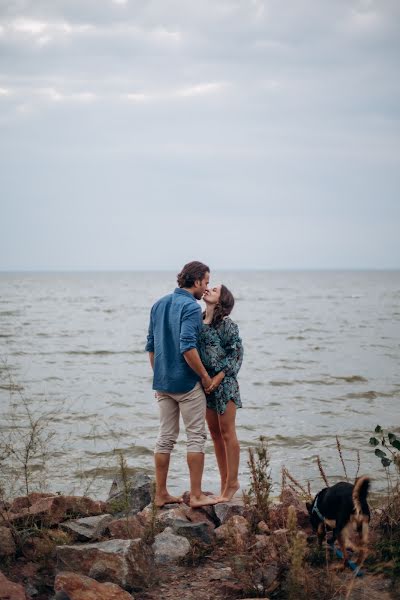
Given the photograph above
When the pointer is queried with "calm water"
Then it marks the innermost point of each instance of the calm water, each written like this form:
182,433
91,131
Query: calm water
322,356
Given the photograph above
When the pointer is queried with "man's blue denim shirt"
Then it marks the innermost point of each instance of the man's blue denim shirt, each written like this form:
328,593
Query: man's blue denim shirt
175,324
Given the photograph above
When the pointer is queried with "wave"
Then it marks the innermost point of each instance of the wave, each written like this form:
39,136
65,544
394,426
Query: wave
330,380
372,394
352,379
12,387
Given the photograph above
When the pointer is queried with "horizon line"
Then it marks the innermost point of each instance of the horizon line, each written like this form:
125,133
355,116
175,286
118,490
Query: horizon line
230,269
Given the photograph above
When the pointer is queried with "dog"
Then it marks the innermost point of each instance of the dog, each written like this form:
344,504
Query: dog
340,508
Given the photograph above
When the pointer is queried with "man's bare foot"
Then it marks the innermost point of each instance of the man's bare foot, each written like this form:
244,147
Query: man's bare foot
160,501
229,492
202,500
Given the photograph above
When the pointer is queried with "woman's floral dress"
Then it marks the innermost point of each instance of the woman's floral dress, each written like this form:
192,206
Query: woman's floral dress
221,349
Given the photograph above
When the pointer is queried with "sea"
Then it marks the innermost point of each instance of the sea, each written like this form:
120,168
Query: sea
321,366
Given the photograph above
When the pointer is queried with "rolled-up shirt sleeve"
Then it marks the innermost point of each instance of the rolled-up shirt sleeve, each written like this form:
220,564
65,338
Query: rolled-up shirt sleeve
150,335
190,327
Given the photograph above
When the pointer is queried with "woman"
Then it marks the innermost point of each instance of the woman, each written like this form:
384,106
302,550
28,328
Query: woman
221,352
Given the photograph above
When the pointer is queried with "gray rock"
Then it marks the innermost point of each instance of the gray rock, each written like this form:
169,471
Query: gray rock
128,563
87,529
192,531
167,516
133,495
225,510
169,548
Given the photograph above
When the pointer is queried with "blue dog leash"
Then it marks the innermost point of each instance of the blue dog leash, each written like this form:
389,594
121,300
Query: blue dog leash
353,566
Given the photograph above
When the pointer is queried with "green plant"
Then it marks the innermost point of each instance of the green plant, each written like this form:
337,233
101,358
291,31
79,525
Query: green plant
258,495
297,551
26,440
391,443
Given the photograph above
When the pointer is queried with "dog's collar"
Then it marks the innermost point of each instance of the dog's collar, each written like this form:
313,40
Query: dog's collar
317,511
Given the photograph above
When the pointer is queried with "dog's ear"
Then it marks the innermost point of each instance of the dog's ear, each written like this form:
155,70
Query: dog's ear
309,507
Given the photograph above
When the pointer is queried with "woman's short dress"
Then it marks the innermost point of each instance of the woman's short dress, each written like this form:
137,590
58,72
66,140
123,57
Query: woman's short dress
221,349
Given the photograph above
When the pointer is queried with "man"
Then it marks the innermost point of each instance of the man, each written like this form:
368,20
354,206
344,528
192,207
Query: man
179,379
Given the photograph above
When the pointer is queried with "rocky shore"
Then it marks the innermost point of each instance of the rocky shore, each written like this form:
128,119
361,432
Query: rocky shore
76,548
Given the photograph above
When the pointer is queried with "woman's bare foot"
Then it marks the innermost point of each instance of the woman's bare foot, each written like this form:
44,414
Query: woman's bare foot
229,492
161,500
202,500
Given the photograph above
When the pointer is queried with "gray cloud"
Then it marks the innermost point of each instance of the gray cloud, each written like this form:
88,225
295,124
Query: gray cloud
273,127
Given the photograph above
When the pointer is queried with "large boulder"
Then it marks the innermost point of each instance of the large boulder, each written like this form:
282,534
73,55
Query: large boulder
87,529
10,590
130,494
7,544
80,587
128,563
225,510
51,510
170,548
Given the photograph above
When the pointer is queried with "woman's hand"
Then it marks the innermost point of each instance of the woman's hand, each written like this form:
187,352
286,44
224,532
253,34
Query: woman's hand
215,381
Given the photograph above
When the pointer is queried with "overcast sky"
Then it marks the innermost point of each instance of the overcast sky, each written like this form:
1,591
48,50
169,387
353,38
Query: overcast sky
141,134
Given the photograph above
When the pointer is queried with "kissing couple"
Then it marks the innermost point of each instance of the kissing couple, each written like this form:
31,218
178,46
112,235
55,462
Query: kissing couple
195,357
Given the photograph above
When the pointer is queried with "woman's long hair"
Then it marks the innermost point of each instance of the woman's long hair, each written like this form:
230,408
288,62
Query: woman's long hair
223,308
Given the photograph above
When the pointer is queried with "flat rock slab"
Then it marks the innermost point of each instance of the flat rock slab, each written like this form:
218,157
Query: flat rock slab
80,587
128,563
10,590
169,548
226,510
87,529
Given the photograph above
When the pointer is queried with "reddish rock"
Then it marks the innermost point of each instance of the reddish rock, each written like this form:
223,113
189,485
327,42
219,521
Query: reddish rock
127,563
10,590
197,515
235,530
129,528
51,510
290,498
25,501
80,587
7,544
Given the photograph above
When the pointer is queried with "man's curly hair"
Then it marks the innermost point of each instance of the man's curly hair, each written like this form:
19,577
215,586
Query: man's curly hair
191,272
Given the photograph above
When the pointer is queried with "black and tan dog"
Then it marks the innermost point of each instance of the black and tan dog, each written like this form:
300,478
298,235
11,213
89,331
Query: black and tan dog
340,508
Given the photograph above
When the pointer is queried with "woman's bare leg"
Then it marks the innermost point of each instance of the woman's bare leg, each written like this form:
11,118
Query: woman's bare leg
232,450
219,445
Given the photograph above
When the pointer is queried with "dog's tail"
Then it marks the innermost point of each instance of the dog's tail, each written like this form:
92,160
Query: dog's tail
360,493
